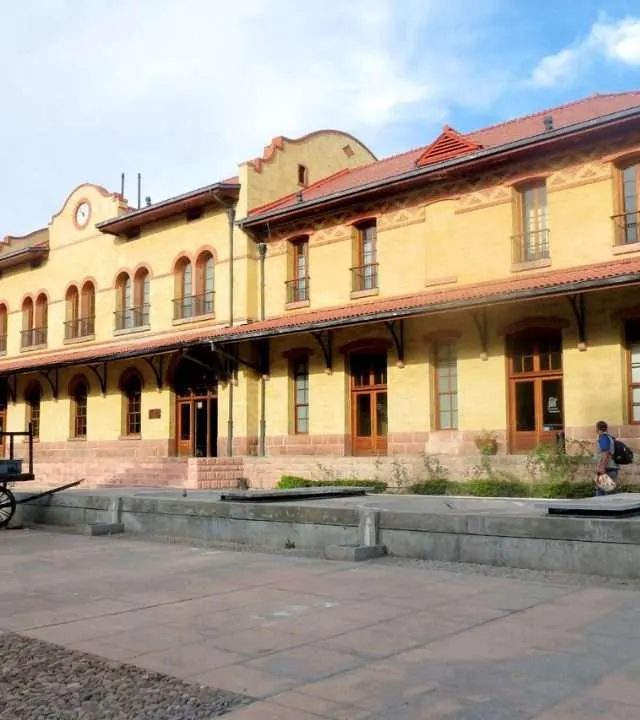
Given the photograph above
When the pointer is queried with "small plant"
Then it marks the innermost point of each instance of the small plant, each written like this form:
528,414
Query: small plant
487,442
289,482
434,486
399,472
289,544
551,462
434,468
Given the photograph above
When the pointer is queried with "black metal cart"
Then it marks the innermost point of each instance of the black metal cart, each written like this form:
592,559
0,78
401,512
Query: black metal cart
12,472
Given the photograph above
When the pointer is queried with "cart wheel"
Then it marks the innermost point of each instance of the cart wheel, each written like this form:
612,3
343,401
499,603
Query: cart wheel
7,506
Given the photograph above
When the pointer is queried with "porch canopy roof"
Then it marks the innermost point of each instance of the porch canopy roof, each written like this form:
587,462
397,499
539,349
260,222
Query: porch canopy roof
571,281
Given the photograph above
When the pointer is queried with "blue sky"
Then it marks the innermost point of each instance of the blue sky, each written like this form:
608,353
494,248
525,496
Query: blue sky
183,90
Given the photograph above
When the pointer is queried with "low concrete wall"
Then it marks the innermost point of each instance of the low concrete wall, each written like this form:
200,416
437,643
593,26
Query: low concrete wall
536,541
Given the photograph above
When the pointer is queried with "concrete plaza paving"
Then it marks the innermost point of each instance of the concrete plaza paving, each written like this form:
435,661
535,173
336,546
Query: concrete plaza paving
313,639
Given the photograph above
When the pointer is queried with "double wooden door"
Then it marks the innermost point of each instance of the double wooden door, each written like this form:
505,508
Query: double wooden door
535,389
197,425
369,404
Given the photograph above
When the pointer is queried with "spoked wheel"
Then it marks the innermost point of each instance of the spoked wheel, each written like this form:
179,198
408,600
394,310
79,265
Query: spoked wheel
7,506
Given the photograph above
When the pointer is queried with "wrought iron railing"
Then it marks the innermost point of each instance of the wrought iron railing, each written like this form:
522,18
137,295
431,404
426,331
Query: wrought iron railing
298,290
3,343
33,337
626,228
193,306
132,318
79,328
364,277
530,246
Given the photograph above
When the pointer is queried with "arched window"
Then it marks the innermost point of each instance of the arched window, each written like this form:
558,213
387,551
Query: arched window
131,387
124,302
183,276
78,392
87,309
27,323
142,289
204,283
3,328
32,398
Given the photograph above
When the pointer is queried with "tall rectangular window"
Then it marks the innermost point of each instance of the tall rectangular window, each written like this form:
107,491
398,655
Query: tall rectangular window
531,239
300,378
298,283
632,334
364,273
446,386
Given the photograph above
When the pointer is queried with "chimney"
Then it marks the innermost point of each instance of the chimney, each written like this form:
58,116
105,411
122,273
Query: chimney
548,122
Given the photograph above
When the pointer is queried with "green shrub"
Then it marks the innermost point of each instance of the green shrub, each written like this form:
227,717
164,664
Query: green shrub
562,489
289,482
437,486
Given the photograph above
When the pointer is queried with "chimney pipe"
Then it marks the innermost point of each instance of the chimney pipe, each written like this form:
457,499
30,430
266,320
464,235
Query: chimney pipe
139,189
122,184
548,122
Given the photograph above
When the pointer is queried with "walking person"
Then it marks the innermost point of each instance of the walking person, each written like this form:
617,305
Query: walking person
607,470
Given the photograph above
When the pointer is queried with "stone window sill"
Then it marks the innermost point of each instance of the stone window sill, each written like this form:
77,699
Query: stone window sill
297,305
130,331
355,294
624,249
77,439
130,437
31,348
76,341
194,319
531,265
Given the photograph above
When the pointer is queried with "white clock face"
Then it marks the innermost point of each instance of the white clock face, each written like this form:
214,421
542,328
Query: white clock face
82,214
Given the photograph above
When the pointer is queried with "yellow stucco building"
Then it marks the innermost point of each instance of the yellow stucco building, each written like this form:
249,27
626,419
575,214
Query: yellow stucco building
325,309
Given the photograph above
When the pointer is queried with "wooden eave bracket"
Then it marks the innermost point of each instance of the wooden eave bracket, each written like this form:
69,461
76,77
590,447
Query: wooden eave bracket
324,338
396,330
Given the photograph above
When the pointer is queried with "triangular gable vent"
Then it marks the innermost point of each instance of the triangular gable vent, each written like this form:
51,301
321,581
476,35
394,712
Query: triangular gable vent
449,144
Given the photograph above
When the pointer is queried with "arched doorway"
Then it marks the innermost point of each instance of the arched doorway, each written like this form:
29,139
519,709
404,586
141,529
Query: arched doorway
195,383
536,403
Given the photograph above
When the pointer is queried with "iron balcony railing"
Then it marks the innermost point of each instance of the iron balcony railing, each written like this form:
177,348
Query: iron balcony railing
132,318
626,228
79,328
193,306
531,246
364,277
3,343
297,290
33,337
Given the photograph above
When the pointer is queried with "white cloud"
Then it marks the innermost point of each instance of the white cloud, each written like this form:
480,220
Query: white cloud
616,41
183,91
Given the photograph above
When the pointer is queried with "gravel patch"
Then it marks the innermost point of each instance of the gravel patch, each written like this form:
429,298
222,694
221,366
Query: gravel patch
41,681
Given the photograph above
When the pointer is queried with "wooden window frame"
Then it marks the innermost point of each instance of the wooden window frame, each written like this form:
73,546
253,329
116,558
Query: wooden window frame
303,175
132,404
438,393
79,408
365,276
521,243
297,362
620,216
628,343
4,327
33,403
297,284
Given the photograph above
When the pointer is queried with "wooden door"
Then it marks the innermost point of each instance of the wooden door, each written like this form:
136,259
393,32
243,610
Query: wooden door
369,404
184,430
536,400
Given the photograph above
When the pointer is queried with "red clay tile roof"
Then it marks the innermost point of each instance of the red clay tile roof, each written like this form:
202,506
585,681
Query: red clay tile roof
503,133
591,277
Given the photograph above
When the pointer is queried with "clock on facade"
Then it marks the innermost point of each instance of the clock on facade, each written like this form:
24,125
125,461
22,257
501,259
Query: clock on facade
83,211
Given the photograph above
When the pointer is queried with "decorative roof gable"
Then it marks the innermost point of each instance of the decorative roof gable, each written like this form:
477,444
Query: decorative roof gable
449,144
